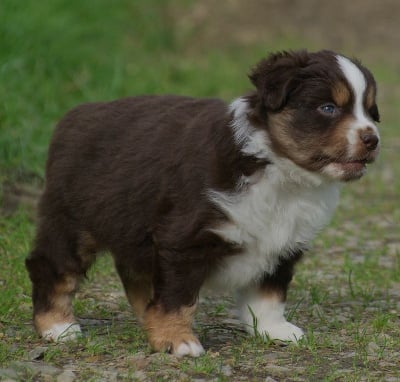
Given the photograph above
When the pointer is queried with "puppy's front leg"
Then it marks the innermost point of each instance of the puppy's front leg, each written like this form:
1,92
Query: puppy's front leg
168,318
262,306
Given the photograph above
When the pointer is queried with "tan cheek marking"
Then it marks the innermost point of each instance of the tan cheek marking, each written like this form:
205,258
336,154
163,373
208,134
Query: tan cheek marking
299,151
166,331
61,306
341,94
338,146
279,133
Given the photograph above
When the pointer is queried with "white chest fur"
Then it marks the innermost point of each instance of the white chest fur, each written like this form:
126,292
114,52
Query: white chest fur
268,219
271,214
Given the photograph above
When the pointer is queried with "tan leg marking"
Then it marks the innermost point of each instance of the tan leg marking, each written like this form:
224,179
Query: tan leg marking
139,294
59,322
172,331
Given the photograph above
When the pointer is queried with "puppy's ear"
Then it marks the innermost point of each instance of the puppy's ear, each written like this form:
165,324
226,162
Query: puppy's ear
275,77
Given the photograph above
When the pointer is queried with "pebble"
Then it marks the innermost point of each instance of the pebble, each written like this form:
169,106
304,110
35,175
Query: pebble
393,248
349,354
66,376
372,348
226,370
9,374
37,353
278,369
139,375
37,367
139,361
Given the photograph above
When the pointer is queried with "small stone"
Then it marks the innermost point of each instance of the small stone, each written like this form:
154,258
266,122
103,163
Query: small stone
66,376
269,379
111,376
226,370
139,375
372,348
37,353
279,370
9,374
37,367
139,361
47,377
340,318
10,332
393,248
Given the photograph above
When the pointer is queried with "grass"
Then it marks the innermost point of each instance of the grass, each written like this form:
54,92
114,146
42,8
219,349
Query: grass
54,55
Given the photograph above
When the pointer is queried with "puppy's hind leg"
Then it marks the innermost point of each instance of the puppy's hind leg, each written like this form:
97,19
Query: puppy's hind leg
56,266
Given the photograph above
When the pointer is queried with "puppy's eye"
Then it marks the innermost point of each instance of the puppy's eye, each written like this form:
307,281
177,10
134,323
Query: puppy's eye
329,109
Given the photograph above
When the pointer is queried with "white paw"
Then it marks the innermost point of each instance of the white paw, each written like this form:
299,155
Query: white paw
282,331
191,348
62,332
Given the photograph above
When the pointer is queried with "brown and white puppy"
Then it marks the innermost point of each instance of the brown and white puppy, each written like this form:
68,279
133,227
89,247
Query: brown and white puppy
190,194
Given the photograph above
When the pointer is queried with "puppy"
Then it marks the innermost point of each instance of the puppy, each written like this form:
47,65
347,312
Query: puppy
192,194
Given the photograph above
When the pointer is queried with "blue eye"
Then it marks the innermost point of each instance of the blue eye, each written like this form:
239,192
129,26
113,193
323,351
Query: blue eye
328,108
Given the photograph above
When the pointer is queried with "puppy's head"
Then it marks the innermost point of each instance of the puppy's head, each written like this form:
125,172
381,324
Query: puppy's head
319,110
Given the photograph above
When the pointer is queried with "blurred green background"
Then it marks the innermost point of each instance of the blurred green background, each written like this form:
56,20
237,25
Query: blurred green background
56,54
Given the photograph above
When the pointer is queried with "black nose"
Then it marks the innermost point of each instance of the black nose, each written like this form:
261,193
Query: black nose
370,140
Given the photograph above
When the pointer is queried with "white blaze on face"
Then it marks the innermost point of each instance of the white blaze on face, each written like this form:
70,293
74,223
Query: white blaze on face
356,79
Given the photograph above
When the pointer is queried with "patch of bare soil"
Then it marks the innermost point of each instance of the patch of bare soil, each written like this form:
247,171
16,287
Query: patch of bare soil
361,27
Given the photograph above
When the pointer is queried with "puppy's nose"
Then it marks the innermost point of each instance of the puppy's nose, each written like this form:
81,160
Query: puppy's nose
370,140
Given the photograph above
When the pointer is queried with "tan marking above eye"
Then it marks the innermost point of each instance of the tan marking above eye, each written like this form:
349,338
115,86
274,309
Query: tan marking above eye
341,94
370,97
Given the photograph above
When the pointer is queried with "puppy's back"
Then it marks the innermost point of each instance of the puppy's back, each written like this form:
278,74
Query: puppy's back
111,165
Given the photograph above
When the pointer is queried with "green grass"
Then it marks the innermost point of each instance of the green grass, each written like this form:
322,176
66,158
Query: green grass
54,55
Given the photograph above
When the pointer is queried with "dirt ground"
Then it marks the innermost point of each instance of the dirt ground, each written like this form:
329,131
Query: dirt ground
367,28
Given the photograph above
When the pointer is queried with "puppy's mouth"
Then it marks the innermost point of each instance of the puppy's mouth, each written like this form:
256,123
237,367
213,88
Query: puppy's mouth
353,165
349,169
